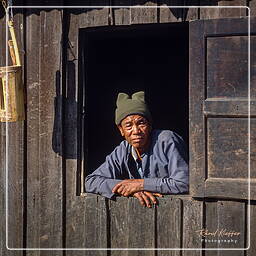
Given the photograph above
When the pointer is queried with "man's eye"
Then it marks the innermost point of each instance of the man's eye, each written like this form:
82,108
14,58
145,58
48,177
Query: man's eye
128,125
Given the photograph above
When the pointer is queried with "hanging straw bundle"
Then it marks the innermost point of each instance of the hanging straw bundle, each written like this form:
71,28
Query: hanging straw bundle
11,85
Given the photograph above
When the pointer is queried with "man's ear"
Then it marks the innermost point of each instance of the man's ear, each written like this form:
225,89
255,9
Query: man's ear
121,129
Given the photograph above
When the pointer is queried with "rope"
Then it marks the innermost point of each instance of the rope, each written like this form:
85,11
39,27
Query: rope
6,5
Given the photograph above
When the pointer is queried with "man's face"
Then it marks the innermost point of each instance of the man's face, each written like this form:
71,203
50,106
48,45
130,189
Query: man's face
136,130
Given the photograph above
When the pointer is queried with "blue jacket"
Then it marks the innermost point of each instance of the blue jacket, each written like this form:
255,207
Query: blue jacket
164,167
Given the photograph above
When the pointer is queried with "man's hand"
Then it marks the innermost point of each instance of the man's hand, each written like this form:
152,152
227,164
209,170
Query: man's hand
146,198
128,187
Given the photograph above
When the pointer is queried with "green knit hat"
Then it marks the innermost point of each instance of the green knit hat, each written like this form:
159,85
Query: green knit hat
131,106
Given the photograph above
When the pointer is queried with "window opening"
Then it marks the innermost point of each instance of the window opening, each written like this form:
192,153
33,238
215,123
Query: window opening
149,57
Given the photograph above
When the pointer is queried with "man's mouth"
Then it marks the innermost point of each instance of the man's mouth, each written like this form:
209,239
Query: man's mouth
137,139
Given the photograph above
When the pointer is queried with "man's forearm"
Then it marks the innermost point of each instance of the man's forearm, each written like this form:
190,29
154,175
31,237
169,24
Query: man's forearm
101,185
165,185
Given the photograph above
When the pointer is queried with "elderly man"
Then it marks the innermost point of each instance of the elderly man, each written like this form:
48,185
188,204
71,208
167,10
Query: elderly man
147,164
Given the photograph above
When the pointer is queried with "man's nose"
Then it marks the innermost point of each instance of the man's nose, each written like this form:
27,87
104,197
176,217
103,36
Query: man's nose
136,129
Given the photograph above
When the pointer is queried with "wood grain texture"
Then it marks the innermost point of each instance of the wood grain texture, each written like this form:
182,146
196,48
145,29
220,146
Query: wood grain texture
215,13
141,232
169,225
76,229
229,188
119,224
227,219
15,173
251,209
169,14
50,164
33,172
229,107
197,92
227,66
252,6
121,16
95,225
228,148
192,222
223,228
143,14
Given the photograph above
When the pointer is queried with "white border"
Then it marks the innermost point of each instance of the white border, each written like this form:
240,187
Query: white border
134,249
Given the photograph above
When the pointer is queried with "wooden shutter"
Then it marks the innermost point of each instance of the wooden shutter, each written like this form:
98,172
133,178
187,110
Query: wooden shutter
219,108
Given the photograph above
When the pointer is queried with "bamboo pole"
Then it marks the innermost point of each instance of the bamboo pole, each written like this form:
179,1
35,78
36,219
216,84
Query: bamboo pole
15,45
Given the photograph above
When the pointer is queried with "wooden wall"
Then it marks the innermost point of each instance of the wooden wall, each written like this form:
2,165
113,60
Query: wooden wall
43,152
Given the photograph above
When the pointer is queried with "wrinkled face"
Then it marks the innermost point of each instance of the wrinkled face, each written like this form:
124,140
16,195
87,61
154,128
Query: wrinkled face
136,130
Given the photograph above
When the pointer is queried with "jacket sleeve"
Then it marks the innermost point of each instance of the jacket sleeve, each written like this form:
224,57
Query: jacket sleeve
178,180
104,178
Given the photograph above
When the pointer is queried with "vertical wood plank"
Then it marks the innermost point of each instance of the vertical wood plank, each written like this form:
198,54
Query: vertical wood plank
222,218
95,215
16,164
252,6
143,14
169,14
213,13
252,224
3,250
33,46
141,222
169,225
231,216
76,215
192,222
50,164
119,226
121,15
75,205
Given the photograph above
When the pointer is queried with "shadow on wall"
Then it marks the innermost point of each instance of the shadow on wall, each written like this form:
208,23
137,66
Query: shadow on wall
64,139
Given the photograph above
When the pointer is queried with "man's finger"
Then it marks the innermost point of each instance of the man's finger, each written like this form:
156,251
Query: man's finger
120,190
150,195
116,187
158,194
146,200
140,198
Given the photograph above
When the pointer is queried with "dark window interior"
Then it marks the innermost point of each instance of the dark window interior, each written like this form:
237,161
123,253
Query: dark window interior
127,59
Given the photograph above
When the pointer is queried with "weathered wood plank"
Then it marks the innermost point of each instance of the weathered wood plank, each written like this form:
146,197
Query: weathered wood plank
229,107
50,164
75,204
229,188
252,224
141,222
210,226
33,172
169,14
227,66
169,225
225,227
3,250
143,14
197,92
228,148
214,13
121,15
15,159
76,230
192,222
228,221
95,17
252,6
172,14
119,224
95,224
